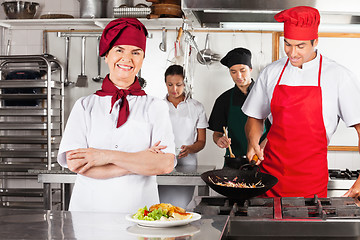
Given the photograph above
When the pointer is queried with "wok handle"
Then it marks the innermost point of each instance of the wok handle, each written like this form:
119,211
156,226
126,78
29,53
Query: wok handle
230,151
254,160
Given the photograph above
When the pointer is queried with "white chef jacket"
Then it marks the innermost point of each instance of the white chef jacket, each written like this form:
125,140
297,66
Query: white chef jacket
340,90
186,118
91,124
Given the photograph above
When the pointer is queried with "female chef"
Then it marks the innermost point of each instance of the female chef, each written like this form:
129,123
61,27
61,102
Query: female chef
189,124
306,94
108,133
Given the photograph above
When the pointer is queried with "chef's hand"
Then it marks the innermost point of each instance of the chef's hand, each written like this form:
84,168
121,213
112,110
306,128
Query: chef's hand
255,150
223,142
185,150
156,148
82,159
354,191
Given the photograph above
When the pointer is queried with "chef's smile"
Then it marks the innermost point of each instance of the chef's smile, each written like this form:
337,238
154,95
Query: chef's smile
126,61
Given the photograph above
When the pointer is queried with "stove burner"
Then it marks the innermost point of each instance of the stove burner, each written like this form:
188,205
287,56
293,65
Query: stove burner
344,174
286,208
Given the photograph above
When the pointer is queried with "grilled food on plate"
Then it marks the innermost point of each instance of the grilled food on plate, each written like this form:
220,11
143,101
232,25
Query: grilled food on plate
162,212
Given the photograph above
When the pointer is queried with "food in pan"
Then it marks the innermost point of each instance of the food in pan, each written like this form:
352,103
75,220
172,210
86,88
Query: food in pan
235,184
162,212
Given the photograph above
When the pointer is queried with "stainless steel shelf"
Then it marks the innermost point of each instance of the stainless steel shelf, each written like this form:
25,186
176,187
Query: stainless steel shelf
28,111
26,153
27,126
29,135
36,83
22,166
28,139
30,96
84,23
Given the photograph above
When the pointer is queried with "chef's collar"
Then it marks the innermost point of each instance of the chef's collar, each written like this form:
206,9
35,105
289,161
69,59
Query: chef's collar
310,64
185,99
237,89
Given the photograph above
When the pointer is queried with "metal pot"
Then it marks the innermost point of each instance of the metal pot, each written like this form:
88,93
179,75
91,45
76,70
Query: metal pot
246,176
93,8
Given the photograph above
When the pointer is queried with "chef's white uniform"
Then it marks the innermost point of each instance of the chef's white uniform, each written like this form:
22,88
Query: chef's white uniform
340,90
91,124
186,118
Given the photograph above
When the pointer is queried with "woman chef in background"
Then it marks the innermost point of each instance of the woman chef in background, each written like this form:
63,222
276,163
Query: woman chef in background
108,133
189,124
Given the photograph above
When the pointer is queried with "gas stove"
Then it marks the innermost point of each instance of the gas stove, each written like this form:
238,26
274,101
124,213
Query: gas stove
340,180
287,218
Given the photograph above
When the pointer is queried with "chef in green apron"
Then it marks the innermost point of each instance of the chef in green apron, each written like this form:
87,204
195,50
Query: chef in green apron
227,108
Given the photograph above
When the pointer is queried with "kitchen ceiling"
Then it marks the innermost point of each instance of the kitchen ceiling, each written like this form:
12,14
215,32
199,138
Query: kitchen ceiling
212,13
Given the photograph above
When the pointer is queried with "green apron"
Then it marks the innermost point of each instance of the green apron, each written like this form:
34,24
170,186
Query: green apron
236,129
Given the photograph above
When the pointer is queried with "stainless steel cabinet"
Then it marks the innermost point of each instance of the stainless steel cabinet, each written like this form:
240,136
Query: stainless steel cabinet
31,126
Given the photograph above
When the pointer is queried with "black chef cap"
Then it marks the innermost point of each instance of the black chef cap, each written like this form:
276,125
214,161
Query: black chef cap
237,56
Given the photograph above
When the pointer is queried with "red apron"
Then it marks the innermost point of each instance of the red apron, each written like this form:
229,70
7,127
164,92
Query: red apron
296,152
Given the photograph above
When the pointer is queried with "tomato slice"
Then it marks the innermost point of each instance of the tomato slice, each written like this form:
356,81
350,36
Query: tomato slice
146,212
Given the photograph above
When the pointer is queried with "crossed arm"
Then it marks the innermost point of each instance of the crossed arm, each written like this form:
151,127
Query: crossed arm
103,164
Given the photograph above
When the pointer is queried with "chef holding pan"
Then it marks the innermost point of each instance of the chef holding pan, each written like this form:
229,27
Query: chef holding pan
306,94
227,108
109,133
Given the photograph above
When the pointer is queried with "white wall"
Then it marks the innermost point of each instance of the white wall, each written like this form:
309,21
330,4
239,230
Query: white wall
209,82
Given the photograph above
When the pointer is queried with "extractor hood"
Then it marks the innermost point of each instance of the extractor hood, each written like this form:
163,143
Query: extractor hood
212,13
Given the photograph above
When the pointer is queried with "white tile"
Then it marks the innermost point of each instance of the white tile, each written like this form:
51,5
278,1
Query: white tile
34,37
18,50
51,6
69,6
34,50
18,37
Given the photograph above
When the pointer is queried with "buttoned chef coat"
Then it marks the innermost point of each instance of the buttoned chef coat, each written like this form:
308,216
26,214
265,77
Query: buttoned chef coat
91,124
340,90
186,118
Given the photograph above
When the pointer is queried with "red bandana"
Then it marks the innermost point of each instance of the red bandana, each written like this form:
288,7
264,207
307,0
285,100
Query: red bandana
109,89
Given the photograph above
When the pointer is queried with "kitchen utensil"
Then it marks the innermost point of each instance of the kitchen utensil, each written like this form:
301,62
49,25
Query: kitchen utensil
231,153
162,45
20,9
247,176
92,8
179,55
206,56
98,78
142,11
55,16
67,49
82,80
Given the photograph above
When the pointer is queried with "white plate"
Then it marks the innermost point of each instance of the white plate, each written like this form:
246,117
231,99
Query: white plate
163,224
150,232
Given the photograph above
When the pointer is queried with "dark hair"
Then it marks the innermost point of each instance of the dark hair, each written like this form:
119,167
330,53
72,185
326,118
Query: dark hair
312,42
174,70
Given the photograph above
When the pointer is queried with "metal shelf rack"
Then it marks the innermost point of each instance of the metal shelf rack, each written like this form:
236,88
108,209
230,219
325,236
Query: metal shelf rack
29,133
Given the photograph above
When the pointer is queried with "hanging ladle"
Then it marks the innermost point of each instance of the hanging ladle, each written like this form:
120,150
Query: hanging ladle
206,56
98,78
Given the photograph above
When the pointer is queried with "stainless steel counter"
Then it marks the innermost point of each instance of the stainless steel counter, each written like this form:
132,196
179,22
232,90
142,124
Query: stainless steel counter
42,224
181,176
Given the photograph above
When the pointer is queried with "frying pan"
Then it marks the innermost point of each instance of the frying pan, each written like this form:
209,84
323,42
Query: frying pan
246,176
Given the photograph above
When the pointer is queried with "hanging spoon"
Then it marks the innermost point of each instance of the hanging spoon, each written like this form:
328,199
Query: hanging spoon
98,78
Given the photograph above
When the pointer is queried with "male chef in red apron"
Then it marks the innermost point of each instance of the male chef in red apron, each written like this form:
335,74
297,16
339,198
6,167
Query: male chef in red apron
304,94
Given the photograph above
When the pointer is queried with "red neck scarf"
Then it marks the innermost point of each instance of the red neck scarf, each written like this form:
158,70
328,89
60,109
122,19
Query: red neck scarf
109,89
